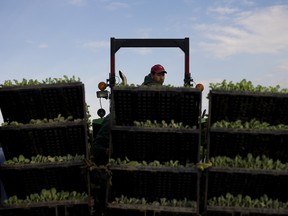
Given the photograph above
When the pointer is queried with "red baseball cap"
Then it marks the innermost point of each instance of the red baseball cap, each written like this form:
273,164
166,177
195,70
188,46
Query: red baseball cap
158,69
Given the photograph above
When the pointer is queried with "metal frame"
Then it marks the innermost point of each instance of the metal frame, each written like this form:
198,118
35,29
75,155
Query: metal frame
116,44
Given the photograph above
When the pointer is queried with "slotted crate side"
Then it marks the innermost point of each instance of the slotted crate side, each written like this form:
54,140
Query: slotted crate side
233,142
140,212
46,139
34,180
155,185
45,211
71,210
24,103
173,214
156,144
254,184
259,211
125,212
211,213
249,183
156,103
236,105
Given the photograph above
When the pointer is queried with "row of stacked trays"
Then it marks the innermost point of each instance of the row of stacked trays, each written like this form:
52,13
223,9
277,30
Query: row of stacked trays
155,145
44,141
247,147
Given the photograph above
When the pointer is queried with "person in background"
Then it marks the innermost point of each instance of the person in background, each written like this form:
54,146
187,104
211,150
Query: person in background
156,76
101,141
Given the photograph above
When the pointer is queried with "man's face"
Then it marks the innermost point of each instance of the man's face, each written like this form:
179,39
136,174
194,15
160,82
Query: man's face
158,77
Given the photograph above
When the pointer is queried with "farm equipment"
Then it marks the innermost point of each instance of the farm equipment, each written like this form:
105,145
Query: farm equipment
117,43
164,158
178,108
158,133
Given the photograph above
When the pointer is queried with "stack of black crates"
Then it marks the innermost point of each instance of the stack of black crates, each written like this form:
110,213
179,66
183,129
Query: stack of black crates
245,106
140,144
21,104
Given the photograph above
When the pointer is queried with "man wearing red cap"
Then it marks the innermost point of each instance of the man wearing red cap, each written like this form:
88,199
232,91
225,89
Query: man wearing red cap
156,76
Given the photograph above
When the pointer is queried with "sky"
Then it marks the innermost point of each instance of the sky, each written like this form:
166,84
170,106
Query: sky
228,40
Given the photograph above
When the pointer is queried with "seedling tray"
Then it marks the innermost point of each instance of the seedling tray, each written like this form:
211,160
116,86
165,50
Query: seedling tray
245,211
231,142
240,105
39,165
33,180
24,103
156,103
147,168
149,144
54,139
73,208
153,185
161,210
254,183
221,213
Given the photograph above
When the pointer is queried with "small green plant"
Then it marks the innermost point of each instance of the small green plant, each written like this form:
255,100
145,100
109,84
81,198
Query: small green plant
161,202
31,82
162,124
127,162
258,162
229,200
43,159
47,195
252,124
245,85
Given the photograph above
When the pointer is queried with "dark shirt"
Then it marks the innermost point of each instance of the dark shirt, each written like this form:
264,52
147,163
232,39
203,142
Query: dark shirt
149,81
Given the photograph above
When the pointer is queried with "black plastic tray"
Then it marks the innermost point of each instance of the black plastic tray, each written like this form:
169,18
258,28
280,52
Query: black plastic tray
130,212
71,208
240,105
149,144
155,185
156,103
245,211
24,103
161,210
33,180
232,142
54,139
254,183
